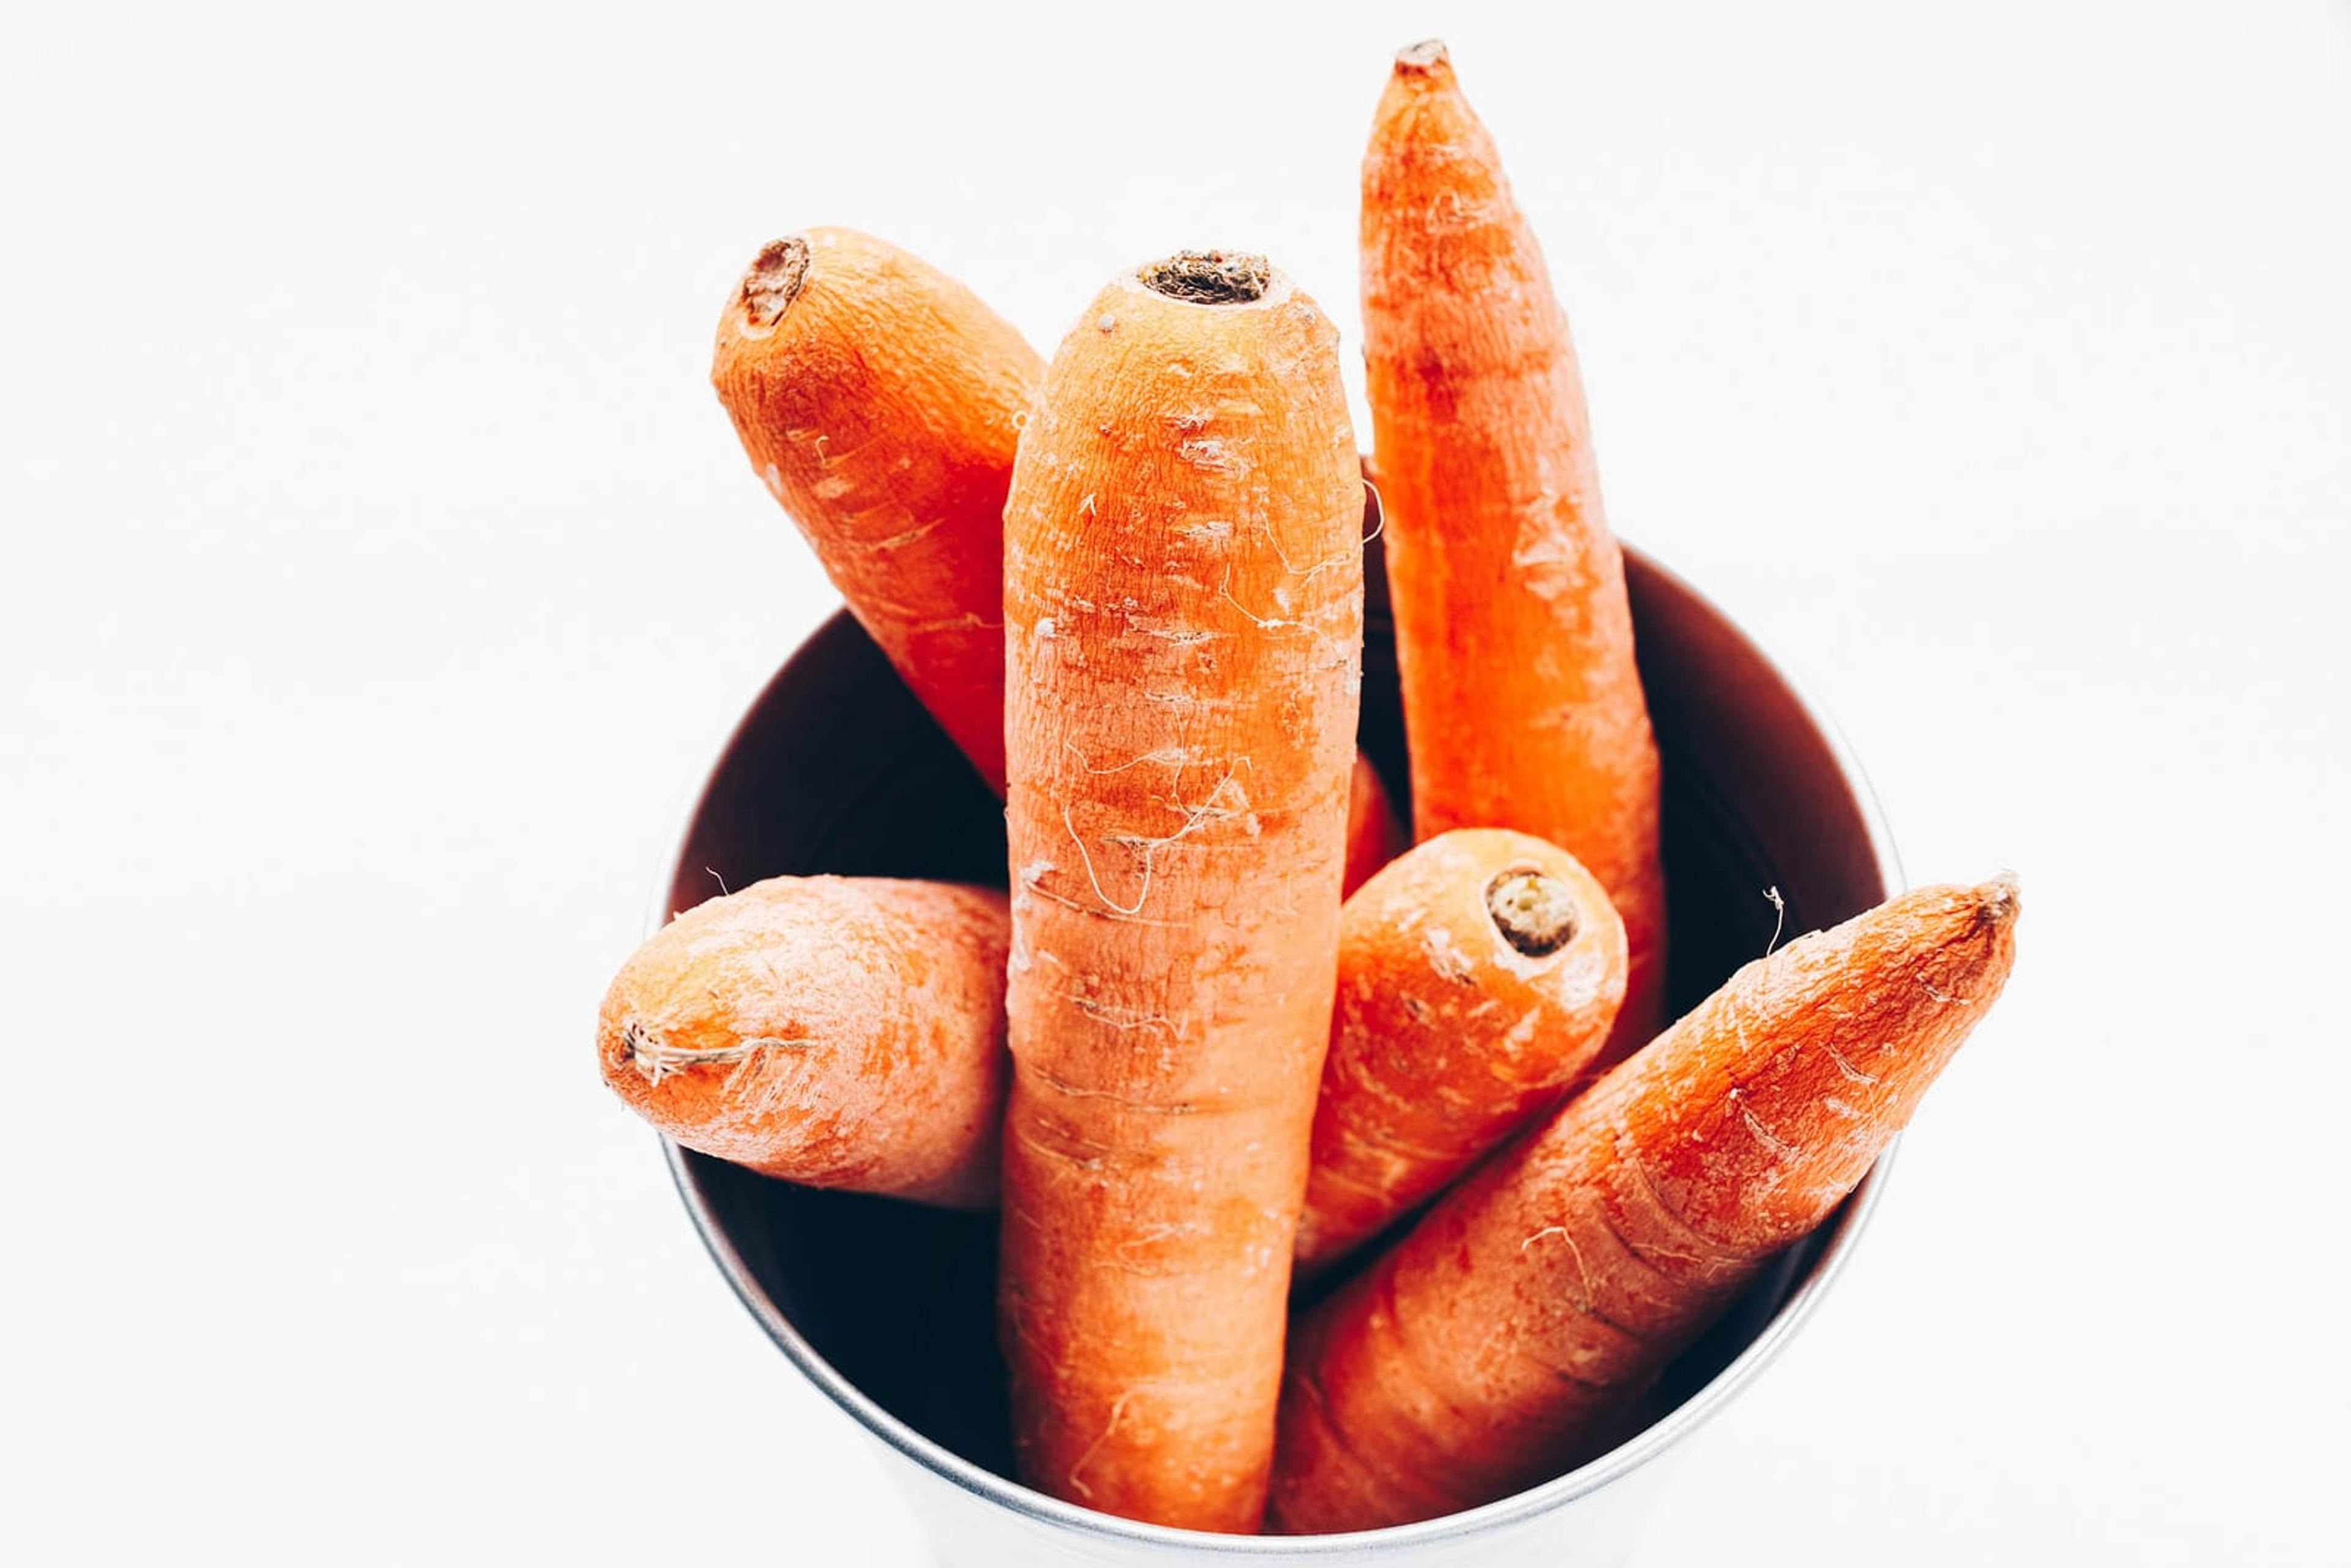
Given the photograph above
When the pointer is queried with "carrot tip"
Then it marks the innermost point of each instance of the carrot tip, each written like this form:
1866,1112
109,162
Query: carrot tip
775,281
1210,277
1423,57
1534,912
2001,898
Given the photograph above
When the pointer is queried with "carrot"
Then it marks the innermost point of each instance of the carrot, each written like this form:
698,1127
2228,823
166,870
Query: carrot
1514,638
1182,601
839,1031
881,401
1375,837
1498,1343
1478,976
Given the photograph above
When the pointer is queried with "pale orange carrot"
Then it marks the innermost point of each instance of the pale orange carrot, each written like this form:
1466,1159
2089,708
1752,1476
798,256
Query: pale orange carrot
1514,638
1184,619
881,400
1375,836
838,1031
1496,1344
1478,977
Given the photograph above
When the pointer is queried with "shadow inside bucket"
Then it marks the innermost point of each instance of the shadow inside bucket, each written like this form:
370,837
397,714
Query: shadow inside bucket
836,768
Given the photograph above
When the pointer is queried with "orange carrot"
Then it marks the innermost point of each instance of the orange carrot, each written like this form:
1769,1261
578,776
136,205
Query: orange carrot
1496,1344
1184,619
687,1037
839,1031
1375,837
1514,638
1478,976
880,399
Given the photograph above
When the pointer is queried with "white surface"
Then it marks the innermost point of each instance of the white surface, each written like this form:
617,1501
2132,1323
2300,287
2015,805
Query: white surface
381,575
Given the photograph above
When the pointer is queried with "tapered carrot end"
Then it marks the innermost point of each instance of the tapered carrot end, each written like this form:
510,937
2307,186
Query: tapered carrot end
1428,153
1423,71
1958,942
1999,900
1982,946
1759,1112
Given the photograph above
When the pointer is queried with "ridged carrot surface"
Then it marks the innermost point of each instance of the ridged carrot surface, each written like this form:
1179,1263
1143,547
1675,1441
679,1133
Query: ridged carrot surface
1184,622
881,401
1498,1343
1514,638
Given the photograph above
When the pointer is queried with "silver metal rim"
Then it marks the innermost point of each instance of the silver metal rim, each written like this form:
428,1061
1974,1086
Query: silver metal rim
1617,1463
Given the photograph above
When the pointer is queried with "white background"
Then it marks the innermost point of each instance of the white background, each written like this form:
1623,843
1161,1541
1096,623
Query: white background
379,576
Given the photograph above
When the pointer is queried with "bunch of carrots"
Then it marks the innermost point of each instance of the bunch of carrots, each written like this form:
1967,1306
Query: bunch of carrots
1219,1037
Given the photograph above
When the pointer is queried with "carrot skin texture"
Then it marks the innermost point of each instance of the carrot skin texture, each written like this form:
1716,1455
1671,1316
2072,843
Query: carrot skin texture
1184,619
1498,1343
1446,1037
880,406
887,395
836,1032
1514,636
1374,834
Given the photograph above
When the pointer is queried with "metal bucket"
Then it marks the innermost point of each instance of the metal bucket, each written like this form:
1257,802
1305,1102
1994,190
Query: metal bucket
888,1307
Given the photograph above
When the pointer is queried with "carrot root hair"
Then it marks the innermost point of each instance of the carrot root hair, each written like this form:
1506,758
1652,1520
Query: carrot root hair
656,1059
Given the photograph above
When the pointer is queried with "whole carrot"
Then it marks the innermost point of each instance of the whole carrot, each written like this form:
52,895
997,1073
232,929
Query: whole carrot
839,1031
1478,976
1182,601
1375,837
881,402
1496,1344
1514,638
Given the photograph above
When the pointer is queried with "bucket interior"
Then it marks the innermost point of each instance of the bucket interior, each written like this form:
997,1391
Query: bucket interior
836,769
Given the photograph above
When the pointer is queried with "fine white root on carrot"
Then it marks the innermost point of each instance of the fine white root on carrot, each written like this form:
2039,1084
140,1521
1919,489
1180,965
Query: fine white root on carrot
836,1031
